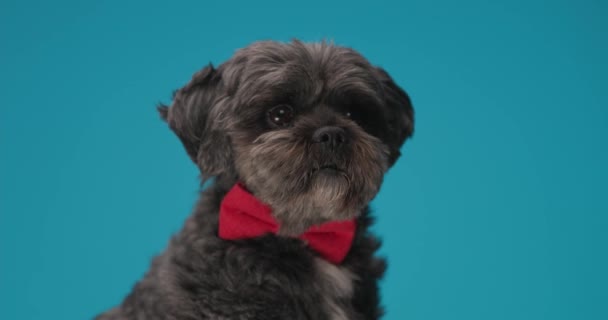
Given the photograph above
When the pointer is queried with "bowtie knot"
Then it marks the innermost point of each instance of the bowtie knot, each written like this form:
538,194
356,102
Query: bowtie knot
243,216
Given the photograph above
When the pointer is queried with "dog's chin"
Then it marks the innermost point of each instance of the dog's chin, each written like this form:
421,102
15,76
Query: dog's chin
328,197
329,189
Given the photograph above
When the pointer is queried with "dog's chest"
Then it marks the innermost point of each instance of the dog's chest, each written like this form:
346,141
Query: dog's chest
335,284
272,278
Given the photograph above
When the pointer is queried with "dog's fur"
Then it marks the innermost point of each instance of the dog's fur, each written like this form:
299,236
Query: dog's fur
221,117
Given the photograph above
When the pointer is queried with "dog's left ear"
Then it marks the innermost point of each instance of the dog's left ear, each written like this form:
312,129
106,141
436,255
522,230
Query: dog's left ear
400,114
193,117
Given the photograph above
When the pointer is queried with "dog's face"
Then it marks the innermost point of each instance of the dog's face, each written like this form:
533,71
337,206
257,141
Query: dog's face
310,129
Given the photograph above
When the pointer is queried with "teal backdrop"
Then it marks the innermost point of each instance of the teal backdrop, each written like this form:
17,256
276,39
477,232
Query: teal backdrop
497,209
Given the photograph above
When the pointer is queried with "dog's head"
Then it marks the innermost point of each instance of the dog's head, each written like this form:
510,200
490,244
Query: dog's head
310,129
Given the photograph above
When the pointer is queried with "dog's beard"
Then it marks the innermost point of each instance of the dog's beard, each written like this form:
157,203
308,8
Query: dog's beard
306,186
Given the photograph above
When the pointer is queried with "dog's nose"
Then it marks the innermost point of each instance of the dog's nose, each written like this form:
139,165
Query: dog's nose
330,136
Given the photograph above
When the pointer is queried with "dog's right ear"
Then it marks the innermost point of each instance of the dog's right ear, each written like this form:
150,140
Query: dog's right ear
192,117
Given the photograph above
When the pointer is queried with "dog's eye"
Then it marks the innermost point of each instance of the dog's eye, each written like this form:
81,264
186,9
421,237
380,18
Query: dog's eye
350,114
281,115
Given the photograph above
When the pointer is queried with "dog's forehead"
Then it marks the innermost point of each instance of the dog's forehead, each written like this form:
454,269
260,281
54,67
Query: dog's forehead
270,70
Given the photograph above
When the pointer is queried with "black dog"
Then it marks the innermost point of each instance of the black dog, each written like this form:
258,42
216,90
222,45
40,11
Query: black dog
297,138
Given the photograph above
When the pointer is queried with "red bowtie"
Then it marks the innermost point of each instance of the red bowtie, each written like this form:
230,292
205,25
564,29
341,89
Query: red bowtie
243,216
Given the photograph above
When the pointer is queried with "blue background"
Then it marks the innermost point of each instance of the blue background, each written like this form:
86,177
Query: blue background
497,210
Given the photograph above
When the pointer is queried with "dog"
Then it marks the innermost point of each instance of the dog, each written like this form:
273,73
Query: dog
295,139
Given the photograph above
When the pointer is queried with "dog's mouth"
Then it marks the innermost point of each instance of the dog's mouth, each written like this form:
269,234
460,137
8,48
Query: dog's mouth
328,168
